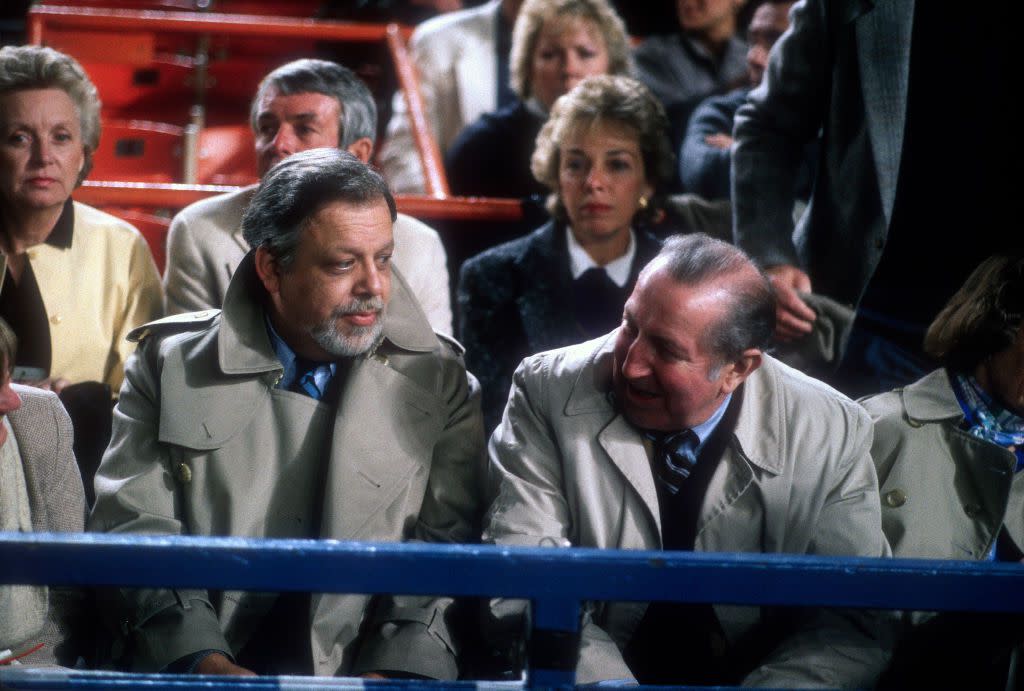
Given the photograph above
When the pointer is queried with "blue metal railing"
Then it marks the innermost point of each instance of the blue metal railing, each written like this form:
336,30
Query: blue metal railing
556,581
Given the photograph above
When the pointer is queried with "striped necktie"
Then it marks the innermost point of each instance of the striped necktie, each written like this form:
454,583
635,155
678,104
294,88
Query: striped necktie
675,455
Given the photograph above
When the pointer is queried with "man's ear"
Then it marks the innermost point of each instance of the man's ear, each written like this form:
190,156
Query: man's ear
361,149
268,270
737,371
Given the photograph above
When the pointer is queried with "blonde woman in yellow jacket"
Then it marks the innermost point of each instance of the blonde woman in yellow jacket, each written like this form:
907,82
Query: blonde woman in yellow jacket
76,274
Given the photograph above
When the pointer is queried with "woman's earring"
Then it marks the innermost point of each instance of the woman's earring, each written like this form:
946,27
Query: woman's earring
643,202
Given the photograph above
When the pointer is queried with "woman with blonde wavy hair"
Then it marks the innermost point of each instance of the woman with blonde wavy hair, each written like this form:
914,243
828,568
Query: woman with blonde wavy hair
555,45
603,156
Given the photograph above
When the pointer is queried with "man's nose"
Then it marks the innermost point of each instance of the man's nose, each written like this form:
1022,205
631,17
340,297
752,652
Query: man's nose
285,142
371,281
636,365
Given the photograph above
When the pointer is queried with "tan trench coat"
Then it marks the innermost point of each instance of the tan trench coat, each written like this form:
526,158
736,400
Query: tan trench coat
945,493
192,453
796,477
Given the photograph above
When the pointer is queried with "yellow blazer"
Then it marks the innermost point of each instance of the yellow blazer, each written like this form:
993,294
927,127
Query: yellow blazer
95,292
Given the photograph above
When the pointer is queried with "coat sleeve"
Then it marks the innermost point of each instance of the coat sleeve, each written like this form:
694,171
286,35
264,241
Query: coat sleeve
420,635
529,508
135,494
144,302
65,633
186,278
839,648
781,117
703,168
424,265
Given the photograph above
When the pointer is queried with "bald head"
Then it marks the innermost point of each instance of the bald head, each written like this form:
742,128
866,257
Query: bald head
747,300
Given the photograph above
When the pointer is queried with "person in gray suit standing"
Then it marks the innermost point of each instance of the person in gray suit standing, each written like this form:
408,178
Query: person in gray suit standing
902,209
317,404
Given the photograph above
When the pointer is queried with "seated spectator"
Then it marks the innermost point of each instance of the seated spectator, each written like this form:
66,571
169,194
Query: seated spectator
77,280
301,105
704,57
555,45
603,154
949,449
705,159
675,431
40,491
462,62
317,404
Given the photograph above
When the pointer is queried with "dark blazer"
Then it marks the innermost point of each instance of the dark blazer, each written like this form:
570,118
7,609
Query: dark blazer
842,68
491,157
515,300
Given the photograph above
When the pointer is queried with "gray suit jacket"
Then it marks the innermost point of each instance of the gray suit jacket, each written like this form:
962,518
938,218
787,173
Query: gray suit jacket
205,244
796,477
842,68
57,502
204,444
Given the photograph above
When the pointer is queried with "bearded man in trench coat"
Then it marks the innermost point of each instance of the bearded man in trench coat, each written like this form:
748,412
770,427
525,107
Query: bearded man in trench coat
317,403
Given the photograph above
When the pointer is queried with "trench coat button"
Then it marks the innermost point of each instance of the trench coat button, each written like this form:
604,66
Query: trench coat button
913,423
972,510
381,358
895,498
184,473
56,319
879,243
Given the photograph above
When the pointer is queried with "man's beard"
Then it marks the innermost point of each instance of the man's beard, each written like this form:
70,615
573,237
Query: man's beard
360,339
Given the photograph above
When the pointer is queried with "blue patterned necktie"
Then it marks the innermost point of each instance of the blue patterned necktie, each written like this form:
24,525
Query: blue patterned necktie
305,378
675,456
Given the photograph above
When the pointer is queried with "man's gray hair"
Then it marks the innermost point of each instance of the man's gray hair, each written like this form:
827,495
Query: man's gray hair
749,318
358,110
298,187
38,67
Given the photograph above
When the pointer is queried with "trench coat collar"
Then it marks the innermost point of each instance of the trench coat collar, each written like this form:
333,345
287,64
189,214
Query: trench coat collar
243,345
931,398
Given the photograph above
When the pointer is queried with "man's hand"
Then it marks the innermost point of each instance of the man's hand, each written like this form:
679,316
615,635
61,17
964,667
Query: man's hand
793,318
216,663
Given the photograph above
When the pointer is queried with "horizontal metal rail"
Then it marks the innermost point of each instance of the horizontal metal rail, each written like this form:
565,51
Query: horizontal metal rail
539,573
177,196
555,580
43,17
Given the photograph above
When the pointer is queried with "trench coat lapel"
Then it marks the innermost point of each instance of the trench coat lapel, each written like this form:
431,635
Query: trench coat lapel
989,469
384,429
383,432
883,48
622,445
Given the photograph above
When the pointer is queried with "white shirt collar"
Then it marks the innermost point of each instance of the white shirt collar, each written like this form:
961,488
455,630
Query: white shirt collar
618,269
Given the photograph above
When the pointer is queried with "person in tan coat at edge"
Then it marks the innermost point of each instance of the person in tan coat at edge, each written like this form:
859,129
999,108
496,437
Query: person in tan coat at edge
949,449
317,404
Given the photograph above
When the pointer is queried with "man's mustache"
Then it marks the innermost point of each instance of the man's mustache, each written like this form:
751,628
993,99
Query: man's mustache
374,304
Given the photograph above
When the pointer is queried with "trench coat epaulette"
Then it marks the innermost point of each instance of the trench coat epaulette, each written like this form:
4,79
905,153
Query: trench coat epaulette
188,321
459,349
